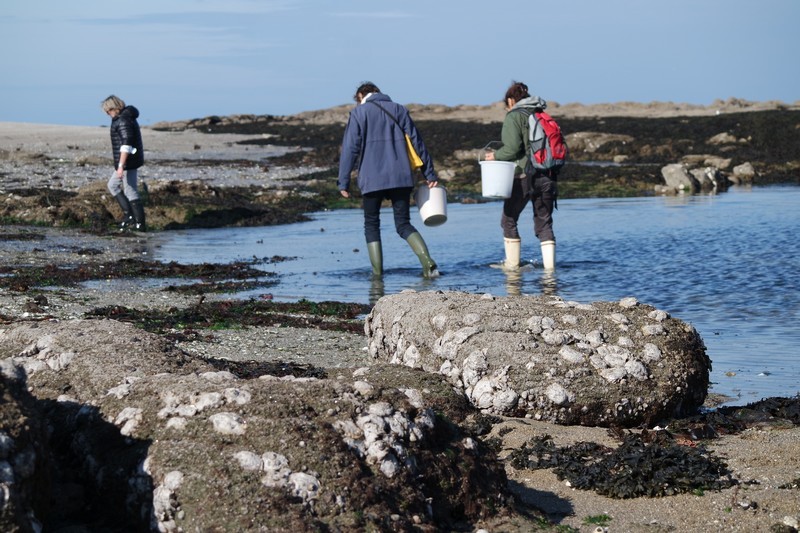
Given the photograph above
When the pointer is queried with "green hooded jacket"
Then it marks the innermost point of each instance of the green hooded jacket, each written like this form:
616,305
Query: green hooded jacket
515,132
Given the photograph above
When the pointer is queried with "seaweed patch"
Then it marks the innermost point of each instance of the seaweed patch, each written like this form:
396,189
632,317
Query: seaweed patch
634,469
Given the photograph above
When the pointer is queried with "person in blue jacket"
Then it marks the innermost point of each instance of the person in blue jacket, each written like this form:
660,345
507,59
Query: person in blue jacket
374,143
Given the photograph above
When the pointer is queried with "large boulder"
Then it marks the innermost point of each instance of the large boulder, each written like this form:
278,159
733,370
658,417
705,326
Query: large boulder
599,364
147,438
743,173
678,179
710,179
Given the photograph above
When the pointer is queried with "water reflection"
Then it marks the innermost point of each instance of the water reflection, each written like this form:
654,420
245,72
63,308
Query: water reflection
513,281
377,289
548,283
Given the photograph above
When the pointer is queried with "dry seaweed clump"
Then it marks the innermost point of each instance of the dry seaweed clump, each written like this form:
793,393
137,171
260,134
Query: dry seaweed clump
636,468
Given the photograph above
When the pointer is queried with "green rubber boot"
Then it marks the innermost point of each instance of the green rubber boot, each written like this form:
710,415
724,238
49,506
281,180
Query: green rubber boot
376,257
417,243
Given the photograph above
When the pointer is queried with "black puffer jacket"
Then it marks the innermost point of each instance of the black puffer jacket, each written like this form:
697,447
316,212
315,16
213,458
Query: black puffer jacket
125,131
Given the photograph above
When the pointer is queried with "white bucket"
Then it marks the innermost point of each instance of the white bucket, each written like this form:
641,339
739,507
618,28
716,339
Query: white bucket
497,178
432,205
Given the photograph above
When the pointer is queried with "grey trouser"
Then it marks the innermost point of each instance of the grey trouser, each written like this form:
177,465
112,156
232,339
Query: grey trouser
543,194
127,184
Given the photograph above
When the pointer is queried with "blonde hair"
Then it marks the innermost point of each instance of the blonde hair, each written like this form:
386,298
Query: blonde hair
112,102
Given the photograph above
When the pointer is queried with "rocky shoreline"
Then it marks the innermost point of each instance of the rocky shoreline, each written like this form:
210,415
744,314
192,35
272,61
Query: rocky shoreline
54,176
761,457
261,170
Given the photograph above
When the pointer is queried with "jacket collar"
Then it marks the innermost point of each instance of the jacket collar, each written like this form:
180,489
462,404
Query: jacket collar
531,101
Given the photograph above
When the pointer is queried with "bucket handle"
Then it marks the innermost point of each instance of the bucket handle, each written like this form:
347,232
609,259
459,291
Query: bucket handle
482,152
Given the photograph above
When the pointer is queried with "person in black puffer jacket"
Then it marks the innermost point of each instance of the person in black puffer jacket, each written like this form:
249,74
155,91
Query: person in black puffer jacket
126,145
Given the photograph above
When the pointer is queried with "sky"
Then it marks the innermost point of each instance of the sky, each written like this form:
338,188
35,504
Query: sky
184,59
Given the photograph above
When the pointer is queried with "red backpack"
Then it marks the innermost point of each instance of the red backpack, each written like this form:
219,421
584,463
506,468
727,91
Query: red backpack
548,147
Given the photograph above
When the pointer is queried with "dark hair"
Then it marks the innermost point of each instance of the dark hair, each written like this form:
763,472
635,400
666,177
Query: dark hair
516,92
364,89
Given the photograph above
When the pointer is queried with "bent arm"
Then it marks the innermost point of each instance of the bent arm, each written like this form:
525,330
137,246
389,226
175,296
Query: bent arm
513,147
351,149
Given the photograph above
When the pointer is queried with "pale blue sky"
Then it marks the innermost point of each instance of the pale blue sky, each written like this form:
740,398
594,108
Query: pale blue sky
181,59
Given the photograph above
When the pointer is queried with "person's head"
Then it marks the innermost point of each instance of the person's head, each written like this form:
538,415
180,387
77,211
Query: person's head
364,89
112,103
516,92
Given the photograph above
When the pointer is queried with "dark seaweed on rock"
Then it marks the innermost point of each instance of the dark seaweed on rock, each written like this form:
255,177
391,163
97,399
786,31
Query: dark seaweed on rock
634,469
255,369
331,316
21,236
769,409
21,278
774,412
773,144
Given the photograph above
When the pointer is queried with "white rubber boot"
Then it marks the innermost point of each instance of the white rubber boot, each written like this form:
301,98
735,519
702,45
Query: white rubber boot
549,255
512,253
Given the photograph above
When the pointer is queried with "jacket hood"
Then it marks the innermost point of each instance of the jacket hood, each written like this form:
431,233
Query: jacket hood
378,97
130,111
531,102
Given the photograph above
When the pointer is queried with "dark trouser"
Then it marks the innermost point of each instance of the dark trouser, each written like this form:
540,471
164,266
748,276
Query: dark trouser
543,194
401,200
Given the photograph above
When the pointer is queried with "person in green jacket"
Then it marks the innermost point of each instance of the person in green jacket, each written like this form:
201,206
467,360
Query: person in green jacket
540,188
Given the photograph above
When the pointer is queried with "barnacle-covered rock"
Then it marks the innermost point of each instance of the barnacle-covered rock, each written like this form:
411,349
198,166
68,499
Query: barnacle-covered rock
165,442
600,364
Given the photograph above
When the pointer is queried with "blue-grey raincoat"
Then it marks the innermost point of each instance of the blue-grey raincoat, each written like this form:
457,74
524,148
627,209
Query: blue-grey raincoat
376,145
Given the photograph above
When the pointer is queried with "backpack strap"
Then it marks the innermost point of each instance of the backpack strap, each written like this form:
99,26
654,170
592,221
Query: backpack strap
390,115
531,116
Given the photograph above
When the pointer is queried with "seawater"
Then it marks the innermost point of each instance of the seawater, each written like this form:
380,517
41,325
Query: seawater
727,263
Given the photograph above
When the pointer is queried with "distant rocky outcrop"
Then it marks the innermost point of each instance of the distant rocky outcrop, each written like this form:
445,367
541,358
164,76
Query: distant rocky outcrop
707,173
589,142
600,364
143,437
494,112
682,178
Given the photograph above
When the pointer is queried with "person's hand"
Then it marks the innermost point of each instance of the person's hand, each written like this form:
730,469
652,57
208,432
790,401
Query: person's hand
489,156
432,184
120,172
344,193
